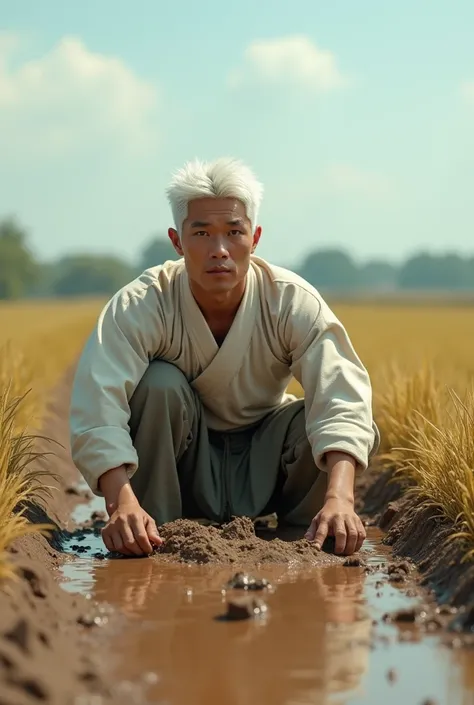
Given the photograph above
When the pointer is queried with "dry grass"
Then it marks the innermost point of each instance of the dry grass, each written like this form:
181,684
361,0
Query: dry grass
437,459
43,340
20,480
411,337
38,341
405,405
442,464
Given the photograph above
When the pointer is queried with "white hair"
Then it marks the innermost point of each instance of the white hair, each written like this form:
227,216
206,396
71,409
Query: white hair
222,178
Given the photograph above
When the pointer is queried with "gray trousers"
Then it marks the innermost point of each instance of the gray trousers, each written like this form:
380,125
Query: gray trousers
188,470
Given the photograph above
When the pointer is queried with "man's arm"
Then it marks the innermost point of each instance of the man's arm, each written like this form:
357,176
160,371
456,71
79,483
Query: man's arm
338,404
117,354
129,332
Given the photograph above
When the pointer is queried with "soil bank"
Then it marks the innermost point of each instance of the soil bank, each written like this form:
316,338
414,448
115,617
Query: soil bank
416,531
47,650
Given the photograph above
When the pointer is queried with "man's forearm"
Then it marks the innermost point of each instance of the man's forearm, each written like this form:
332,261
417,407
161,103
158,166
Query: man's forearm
337,517
115,486
341,475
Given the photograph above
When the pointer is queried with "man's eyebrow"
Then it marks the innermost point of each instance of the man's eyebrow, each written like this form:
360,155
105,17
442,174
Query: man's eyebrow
206,223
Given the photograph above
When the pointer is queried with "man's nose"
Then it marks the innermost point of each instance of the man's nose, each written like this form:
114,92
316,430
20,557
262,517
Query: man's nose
219,248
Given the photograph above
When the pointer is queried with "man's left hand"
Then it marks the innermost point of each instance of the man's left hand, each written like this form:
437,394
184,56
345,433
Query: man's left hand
337,518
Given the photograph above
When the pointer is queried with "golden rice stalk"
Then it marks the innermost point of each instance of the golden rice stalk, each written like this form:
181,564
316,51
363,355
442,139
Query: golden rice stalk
406,405
460,436
441,465
42,342
21,481
16,374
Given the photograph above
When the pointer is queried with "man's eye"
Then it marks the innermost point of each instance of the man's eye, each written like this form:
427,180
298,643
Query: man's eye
200,232
235,232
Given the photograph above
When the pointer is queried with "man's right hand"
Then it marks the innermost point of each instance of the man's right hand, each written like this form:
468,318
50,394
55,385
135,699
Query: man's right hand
129,530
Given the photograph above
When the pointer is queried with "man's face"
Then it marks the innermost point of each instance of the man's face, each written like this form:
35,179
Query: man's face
216,242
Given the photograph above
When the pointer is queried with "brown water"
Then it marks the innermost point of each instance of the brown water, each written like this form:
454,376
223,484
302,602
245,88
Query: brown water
322,640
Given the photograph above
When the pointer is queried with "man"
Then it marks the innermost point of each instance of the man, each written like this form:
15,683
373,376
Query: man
179,406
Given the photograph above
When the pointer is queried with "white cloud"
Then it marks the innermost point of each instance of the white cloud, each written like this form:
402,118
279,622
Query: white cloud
467,91
8,42
294,59
348,179
71,99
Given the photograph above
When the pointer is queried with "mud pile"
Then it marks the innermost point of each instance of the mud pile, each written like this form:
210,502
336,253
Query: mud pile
235,542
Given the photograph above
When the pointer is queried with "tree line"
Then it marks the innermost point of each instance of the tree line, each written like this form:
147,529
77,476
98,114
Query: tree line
22,275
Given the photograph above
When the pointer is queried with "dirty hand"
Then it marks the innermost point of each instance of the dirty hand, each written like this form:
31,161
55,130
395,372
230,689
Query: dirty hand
337,518
131,531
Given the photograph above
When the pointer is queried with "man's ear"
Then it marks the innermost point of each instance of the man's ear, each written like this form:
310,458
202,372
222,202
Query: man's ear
256,237
175,240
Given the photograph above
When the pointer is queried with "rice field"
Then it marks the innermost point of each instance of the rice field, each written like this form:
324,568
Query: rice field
420,357
38,342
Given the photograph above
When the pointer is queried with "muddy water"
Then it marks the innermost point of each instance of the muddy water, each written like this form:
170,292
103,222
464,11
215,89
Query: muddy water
321,641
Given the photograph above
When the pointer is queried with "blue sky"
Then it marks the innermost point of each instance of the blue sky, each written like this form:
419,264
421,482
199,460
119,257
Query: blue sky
358,116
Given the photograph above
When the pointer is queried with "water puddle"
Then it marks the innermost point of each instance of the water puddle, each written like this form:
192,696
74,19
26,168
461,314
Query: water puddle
322,640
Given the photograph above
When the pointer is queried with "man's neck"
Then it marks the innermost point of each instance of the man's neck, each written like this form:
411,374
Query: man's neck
218,307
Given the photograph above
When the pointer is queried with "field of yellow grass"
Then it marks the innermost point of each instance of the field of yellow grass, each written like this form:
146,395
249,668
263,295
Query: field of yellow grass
421,359
38,342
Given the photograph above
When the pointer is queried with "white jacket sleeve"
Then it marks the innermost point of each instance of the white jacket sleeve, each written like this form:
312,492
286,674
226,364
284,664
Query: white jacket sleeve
127,336
337,388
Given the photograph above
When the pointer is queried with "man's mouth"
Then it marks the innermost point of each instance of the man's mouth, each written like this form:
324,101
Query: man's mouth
219,270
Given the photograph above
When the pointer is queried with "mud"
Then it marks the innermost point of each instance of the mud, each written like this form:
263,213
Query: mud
327,633
245,608
49,643
417,532
237,613
237,542
43,654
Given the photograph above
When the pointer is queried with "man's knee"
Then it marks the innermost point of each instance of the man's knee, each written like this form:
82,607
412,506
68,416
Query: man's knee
296,442
163,383
304,485
162,377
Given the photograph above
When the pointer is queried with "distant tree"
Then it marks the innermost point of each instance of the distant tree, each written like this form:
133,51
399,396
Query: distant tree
378,275
157,251
19,269
435,272
79,275
330,270
43,286
470,272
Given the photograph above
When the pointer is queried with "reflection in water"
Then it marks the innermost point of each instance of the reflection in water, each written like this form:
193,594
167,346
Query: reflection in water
314,641
315,646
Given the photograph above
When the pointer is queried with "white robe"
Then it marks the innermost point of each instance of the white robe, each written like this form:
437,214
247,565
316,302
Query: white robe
283,329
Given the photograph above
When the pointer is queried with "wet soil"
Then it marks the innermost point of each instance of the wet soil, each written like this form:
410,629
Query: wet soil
235,542
47,650
418,532
44,654
354,632
233,614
